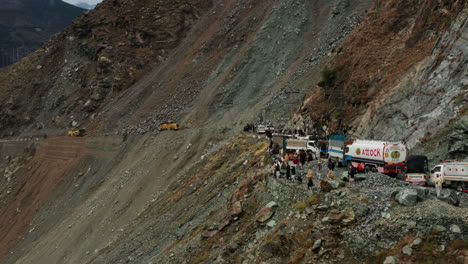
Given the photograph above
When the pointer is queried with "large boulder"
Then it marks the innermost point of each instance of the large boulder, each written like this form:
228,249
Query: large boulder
449,196
264,214
325,186
408,197
236,209
334,184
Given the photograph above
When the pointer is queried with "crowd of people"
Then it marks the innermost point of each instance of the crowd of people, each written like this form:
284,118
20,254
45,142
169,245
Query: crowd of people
293,165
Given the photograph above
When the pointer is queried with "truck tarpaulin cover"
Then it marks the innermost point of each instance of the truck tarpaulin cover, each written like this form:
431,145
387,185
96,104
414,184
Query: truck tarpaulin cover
416,164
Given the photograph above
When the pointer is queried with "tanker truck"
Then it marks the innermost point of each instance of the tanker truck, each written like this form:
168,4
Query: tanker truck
382,156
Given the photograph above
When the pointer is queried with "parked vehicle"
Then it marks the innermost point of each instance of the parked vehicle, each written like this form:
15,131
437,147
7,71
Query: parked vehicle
261,129
382,156
417,169
336,147
454,173
323,146
307,145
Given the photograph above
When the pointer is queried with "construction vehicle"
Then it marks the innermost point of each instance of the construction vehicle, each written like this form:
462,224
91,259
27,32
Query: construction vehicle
76,132
169,125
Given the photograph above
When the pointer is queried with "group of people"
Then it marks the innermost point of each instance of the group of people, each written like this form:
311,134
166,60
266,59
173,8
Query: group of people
288,166
289,163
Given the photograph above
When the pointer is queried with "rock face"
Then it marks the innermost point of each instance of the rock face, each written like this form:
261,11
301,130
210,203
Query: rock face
428,99
26,24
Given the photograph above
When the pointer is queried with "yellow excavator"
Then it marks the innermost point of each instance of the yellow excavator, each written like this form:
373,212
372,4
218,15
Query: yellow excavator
76,132
169,125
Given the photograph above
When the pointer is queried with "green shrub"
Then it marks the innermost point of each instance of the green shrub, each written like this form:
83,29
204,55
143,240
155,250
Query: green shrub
328,77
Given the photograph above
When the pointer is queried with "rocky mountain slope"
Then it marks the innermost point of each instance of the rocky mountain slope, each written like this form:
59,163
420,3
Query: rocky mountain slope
26,24
127,192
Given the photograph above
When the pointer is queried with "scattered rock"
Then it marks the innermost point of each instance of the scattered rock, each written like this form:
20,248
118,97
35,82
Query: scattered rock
208,234
349,217
236,209
455,229
316,246
407,250
416,242
322,207
438,229
264,214
271,223
334,184
449,196
391,260
360,177
271,204
335,216
386,215
224,224
408,197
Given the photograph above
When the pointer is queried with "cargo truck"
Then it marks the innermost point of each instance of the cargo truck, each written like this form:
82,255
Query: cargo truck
454,173
417,169
382,156
307,145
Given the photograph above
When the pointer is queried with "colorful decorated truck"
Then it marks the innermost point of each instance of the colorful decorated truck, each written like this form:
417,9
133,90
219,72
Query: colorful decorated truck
417,169
382,156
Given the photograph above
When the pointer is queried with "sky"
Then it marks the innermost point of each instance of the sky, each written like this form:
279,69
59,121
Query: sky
91,2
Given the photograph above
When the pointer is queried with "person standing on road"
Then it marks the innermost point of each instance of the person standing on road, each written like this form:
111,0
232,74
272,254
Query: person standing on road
277,168
310,182
351,172
331,164
438,184
302,157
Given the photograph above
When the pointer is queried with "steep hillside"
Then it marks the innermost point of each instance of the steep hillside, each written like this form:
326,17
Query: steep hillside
25,25
400,76
127,192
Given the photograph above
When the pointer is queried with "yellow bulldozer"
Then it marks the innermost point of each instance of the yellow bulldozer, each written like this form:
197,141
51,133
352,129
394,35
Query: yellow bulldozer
76,132
169,125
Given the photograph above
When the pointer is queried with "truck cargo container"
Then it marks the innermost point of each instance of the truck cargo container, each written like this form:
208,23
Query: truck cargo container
382,156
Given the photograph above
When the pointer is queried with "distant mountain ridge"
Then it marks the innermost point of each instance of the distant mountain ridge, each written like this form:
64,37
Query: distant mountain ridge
85,5
26,24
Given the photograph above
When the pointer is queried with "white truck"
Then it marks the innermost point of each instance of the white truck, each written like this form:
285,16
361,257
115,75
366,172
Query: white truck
454,173
382,156
307,145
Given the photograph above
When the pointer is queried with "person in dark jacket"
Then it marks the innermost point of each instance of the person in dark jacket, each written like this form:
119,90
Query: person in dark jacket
352,171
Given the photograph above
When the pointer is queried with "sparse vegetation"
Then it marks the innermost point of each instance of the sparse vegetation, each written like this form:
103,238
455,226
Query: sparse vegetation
328,77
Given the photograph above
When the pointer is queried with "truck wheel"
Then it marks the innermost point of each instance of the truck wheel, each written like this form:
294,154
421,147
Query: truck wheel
460,186
373,169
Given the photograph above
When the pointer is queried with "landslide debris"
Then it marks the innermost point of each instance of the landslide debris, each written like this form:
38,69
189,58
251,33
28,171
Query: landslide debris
104,52
230,209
